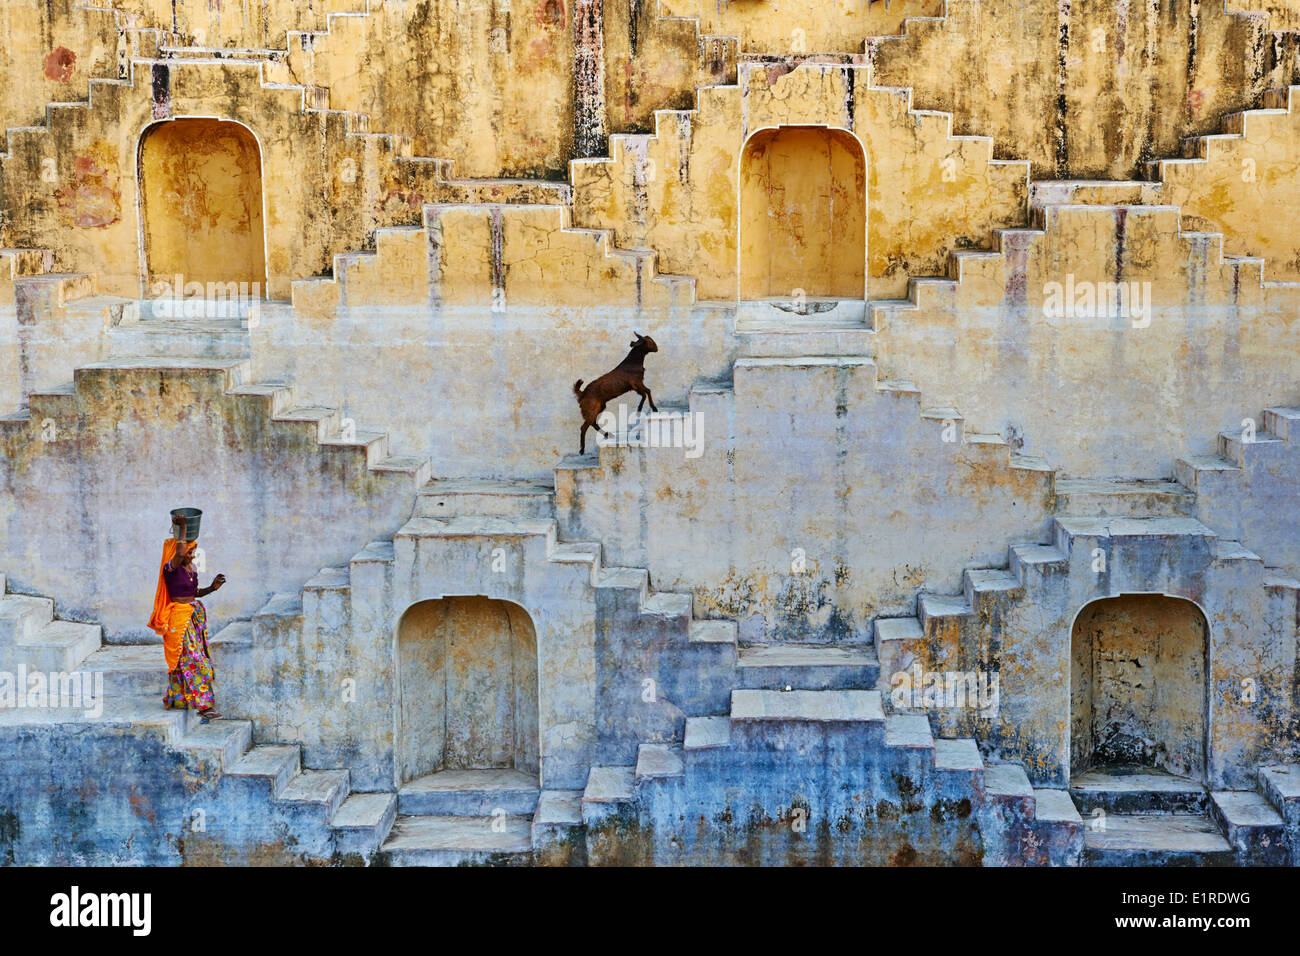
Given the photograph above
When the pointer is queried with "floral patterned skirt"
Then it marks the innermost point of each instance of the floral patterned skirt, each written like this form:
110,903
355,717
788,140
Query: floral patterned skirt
190,684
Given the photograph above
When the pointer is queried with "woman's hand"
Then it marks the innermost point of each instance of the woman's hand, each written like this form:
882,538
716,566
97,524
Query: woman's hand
219,580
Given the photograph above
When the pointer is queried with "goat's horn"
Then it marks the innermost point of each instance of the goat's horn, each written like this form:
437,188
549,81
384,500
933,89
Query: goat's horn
637,334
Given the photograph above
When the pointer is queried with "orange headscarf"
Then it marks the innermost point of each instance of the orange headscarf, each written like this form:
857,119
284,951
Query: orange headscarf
161,619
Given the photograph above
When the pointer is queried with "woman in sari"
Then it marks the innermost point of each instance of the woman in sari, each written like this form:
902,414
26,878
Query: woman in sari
182,620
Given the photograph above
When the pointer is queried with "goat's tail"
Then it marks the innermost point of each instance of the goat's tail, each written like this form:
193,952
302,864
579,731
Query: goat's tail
577,389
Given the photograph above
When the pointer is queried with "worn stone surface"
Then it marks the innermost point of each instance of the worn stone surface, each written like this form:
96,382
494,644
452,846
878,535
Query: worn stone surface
1039,437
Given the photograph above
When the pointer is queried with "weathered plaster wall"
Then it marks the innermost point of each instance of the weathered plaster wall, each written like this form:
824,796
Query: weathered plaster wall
521,70
468,687
51,52
244,24
1087,90
1247,187
516,312
117,795
88,481
1252,637
818,502
803,214
800,26
1023,344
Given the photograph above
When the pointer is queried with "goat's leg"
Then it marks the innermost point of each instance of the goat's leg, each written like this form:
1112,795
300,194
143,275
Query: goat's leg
608,436
582,439
645,394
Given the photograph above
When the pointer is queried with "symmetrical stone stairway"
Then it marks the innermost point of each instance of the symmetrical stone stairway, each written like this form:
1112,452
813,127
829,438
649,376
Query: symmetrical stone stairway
493,816
1003,621
817,747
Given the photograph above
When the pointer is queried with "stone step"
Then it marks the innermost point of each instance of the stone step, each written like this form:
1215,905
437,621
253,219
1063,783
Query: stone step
363,823
658,762
941,607
226,740
138,714
459,841
1234,446
269,765
815,311
1093,192
667,604
776,334
1091,497
192,338
1137,790
21,615
130,669
909,730
610,785
56,646
608,792
1009,787
1190,470
1155,839
453,498
1284,422
323,789
807,667
707,733
1280,783
895,639
1132,532
1056,807
981,583
959,756
468,793
810,706
712,632
1036,559
576,552
558,816
1254,829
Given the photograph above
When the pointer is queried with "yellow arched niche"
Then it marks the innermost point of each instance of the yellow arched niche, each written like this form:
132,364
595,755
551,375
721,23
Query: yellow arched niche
202,187
803,214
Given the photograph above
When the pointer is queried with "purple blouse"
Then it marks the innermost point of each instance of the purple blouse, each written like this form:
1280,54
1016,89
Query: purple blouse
181,582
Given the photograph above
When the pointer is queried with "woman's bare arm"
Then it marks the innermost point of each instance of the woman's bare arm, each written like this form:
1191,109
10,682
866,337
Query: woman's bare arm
216,584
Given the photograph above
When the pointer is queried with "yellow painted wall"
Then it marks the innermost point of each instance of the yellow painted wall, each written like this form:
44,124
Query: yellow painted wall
202,184
801,26
1087,90
51,51
1248,189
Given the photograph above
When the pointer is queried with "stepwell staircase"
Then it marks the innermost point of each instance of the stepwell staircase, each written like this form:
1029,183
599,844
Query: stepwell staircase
317,808
443,821
1130,815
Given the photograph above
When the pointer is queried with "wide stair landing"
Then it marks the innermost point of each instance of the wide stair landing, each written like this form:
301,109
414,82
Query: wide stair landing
1144,816
486,817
